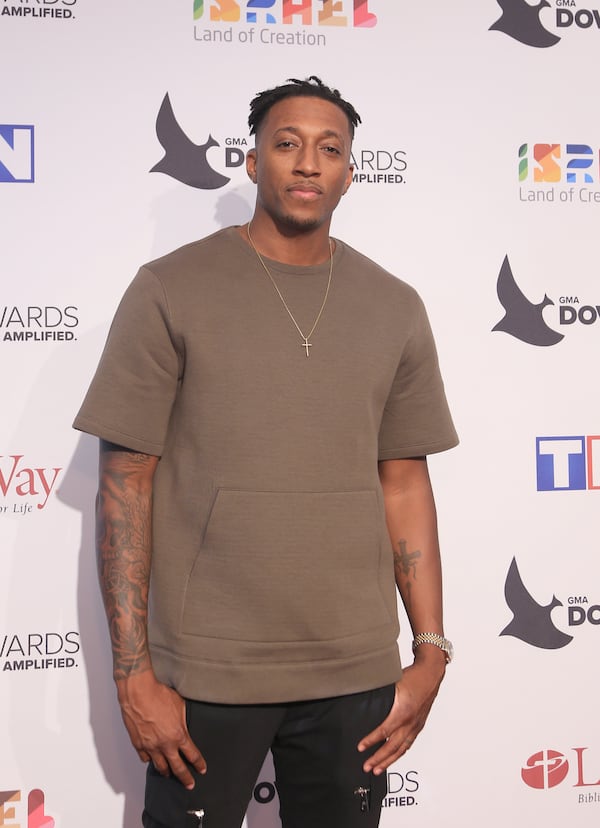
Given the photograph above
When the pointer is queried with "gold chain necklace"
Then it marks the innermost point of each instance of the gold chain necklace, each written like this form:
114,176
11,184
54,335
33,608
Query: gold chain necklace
305,343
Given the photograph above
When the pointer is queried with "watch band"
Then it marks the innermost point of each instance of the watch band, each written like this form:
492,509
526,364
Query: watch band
437,640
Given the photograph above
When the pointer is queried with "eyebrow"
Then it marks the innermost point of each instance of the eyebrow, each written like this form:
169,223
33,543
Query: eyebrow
327,133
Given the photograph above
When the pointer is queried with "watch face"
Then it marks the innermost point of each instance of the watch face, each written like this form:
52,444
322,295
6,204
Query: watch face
449,650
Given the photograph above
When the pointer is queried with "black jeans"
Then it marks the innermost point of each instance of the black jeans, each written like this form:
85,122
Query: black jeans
318,769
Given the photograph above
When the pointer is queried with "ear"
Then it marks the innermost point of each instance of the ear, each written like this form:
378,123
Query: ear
348,179
251,165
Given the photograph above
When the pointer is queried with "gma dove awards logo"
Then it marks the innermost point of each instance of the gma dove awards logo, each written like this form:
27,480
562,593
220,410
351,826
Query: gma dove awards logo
538,25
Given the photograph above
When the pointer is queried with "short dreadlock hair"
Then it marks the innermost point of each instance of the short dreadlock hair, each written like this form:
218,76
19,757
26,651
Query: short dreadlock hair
312,87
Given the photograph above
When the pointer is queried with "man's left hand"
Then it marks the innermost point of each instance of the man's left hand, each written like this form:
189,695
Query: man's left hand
415,693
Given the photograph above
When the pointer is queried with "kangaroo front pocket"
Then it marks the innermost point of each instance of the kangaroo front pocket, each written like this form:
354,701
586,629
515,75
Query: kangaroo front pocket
289,566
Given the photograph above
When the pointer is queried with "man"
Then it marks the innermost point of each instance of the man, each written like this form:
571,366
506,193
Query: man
265,402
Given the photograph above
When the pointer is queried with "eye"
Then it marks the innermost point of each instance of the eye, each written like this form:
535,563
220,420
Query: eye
286,144
332,150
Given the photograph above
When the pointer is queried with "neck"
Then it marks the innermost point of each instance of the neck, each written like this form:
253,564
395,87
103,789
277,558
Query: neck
295,247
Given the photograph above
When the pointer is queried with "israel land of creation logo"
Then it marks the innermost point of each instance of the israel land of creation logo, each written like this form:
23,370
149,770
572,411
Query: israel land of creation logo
576,767
21,809
559,173
17,154
21,652
533,623
278,22
39,10
544,24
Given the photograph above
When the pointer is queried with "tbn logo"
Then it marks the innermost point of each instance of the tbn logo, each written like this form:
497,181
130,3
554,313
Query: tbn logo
555,163
304,12
16,154
567,463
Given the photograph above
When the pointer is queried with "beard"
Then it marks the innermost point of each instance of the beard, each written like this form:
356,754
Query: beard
289,223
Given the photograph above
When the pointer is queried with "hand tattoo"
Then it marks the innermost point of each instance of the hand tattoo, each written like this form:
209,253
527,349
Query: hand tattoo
123,532
405,565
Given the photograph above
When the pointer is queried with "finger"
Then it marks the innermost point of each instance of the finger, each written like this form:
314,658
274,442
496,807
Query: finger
394,747
188,748
382,758
160,763
144,756
375,737
194,757
180,770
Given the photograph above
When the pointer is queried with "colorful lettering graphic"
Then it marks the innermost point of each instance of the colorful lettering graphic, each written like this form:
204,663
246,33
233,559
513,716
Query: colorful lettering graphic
341,13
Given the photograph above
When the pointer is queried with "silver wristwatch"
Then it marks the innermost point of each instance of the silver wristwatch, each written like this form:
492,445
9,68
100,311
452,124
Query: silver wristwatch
438,641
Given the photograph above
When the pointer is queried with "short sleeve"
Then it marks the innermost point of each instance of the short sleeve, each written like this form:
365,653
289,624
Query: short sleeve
130,398
416,419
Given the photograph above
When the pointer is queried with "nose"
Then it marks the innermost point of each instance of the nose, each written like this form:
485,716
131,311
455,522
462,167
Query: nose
307,160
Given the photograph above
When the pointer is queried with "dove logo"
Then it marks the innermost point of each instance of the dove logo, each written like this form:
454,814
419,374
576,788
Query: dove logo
521,21
532,622
566,464
379,166
37,651
188,162
17,154
583,18
11,807
523,319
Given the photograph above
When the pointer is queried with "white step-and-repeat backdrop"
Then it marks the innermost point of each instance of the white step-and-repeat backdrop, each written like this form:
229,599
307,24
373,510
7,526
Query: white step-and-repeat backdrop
477,180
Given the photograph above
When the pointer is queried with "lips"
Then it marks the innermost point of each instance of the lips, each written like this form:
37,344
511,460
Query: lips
306,192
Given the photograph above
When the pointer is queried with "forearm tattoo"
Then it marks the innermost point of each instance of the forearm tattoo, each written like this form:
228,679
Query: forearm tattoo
405,566
123,538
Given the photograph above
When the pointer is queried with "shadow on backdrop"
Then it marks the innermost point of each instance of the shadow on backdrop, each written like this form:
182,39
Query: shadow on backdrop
120,764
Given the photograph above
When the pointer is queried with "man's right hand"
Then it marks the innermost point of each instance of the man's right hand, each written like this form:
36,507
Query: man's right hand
154,716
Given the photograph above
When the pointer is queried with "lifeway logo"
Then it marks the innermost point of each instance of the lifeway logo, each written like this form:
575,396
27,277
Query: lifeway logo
524,319
532,622
23,486
545,169
38,651
12,807
39,9
17,164
533,26
548,768
568,463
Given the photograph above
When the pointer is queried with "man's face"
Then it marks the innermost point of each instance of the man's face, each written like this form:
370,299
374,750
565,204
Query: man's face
301,162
